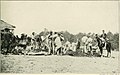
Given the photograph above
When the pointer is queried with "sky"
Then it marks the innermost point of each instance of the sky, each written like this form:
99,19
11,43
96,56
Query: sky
73,16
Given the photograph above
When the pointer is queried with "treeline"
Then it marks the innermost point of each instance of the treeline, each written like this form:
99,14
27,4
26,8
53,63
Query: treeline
114,38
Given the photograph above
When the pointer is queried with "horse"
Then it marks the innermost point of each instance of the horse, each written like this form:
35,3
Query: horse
106,43
101,44
108,48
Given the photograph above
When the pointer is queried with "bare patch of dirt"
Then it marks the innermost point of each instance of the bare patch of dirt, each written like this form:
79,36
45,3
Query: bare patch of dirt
59,64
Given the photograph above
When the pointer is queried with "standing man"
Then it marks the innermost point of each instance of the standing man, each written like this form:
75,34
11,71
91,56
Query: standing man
89,43
50,42
58,43
33,40
84,39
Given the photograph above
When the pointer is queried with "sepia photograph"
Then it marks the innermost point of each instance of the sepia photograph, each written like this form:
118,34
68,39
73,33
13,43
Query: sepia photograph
59,37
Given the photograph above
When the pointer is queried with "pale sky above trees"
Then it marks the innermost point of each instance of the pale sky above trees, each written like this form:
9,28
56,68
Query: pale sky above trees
75,16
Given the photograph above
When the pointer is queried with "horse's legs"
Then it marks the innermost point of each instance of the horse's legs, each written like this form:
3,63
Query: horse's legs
53,48
60,51
91,50
56,51
101,50
108,53
49,48
85,49
63,51
49,45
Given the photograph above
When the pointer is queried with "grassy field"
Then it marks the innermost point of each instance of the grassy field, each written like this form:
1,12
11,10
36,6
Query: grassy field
59,64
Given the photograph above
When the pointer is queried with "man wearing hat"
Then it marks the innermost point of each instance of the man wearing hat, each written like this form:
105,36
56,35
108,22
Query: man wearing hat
104,35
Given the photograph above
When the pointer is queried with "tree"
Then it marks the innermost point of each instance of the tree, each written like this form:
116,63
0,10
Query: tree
79,35
110,35
116,41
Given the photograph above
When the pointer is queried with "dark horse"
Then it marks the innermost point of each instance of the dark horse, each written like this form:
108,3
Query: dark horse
101,44
108,47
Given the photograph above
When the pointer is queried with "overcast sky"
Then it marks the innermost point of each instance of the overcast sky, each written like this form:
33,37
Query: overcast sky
75,17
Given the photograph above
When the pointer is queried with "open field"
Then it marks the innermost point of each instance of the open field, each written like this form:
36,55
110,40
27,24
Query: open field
59,64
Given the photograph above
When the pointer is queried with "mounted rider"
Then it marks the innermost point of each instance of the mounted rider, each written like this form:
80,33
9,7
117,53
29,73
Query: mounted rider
104,38
104,35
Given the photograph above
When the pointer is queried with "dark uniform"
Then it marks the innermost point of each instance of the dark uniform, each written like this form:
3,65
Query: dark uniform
104,35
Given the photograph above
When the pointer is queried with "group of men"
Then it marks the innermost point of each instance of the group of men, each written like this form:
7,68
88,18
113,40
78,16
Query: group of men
51,41
102,43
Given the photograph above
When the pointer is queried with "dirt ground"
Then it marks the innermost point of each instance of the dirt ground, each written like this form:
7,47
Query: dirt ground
59,64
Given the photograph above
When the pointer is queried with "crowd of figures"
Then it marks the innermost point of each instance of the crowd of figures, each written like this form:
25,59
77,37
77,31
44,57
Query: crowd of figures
52,43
